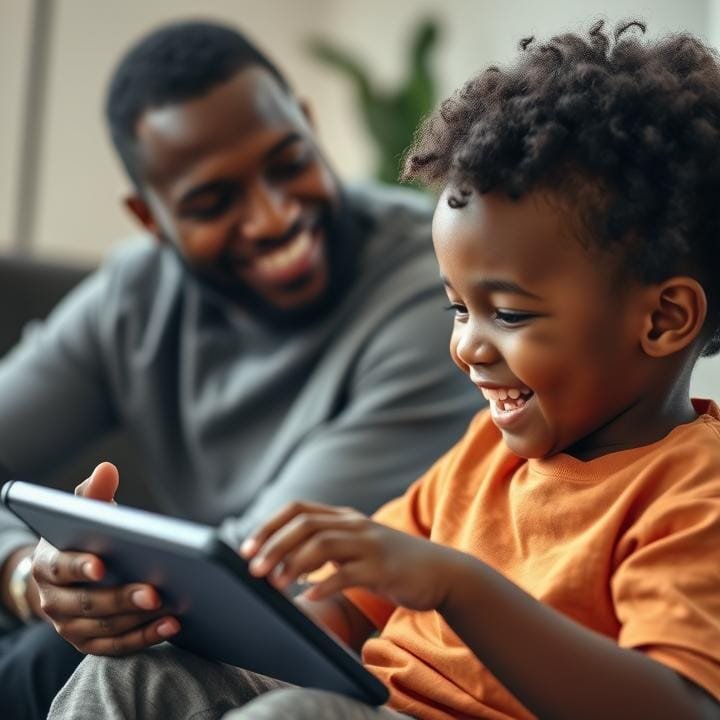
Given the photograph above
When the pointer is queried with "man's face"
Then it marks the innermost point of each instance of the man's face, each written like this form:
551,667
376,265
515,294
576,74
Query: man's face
541,326
235,181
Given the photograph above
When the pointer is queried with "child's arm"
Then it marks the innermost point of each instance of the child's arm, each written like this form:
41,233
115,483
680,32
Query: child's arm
554,666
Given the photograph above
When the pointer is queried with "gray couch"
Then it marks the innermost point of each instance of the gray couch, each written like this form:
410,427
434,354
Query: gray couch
29,289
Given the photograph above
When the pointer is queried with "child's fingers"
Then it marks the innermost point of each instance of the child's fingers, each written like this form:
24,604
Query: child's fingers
295,533
333,545
258,537
353,574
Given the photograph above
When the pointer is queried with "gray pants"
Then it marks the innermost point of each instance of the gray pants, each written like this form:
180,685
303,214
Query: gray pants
168,683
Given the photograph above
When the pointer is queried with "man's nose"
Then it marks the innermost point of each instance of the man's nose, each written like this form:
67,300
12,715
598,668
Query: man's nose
268,212
474,346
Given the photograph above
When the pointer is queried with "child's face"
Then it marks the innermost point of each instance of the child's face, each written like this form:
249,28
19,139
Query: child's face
539,327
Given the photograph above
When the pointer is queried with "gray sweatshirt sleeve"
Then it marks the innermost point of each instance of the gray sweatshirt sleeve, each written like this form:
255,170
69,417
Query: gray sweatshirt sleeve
53,397
408,404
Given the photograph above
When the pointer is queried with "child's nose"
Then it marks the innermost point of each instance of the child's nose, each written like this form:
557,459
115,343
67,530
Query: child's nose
474,347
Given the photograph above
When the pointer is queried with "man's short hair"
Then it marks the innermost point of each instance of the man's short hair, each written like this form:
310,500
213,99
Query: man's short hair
173,64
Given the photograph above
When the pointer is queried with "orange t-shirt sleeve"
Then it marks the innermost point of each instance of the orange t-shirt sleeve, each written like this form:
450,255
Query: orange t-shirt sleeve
665,591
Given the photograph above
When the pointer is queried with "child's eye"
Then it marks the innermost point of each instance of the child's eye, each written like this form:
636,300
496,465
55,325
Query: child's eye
510,318
457,308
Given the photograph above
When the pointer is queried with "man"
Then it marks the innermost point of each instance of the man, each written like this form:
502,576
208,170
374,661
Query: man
280,337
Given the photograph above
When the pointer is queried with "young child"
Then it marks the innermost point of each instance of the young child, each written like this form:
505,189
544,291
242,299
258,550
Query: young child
563,560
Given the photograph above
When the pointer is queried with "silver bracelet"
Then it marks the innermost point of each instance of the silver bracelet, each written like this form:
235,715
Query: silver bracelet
18,589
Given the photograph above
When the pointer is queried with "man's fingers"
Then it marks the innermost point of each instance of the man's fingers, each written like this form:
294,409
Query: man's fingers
62,603
102,484
82,630
151,634
50,565
94,602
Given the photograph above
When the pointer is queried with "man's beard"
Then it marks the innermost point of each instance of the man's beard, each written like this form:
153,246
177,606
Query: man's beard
341,252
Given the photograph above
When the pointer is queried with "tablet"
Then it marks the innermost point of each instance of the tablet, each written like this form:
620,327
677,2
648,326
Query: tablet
226,614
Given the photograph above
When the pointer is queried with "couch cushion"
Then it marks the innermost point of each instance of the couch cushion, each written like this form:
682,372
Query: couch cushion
29,289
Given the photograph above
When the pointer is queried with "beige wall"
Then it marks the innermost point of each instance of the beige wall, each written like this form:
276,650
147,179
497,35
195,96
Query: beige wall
78,211
14,45
706,379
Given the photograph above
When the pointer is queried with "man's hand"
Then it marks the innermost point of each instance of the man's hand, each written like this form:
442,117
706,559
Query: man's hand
409,571
97,620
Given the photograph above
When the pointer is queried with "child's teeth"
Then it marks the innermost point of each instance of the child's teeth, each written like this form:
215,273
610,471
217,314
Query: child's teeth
506,399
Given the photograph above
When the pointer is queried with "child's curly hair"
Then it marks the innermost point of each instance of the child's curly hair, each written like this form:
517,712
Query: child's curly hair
625,129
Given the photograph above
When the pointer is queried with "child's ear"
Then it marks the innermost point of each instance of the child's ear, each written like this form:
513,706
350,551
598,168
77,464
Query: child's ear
676,316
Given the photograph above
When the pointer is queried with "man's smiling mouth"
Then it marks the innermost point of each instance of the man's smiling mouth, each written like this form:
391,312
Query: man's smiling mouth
286,262
283,257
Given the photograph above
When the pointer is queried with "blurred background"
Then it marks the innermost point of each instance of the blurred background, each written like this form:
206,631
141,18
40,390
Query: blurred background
61,187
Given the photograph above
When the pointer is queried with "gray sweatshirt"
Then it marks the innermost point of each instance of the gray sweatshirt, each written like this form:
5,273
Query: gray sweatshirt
233,419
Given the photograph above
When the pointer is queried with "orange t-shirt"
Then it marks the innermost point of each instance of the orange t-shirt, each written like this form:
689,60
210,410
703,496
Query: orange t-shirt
627,544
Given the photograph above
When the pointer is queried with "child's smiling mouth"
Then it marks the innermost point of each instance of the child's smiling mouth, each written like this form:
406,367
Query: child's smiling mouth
507,398
506,403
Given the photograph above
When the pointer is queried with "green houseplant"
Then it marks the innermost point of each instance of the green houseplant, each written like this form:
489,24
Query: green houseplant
390,116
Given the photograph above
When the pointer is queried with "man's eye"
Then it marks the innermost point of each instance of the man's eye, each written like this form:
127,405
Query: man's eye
290,167
510,318
208,209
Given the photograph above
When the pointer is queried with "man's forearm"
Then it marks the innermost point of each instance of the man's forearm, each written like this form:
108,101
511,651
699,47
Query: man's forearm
555,666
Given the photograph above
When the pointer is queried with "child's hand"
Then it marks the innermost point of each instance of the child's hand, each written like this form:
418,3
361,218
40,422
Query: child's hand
301,538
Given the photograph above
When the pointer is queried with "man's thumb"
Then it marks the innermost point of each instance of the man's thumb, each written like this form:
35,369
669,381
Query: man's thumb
102,484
